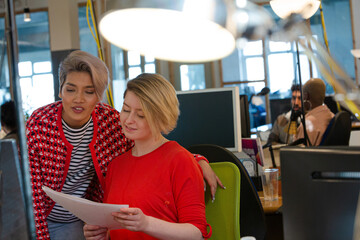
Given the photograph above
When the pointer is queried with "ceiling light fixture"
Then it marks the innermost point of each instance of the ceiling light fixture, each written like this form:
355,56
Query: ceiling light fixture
27,17
284,8
171,31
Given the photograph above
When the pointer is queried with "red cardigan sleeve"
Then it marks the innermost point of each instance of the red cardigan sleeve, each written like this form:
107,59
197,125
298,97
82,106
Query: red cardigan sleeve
199,157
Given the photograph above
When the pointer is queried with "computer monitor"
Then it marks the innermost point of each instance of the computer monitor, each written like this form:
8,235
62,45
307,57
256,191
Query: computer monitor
320,190
209,116
245,116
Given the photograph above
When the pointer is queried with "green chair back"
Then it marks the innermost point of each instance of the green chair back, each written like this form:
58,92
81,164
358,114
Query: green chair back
223,214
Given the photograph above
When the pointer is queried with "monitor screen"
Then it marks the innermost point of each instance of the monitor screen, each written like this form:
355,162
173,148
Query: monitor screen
209,116
320,190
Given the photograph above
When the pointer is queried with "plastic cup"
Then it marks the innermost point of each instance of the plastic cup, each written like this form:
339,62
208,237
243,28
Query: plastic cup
270,184
248,238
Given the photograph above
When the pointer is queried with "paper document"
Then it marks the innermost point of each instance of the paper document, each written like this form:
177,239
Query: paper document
90,212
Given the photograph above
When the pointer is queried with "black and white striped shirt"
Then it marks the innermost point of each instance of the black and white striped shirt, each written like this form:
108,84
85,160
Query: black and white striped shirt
81,169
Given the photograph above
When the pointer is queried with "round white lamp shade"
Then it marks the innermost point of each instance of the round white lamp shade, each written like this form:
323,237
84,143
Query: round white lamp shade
284,8
167,34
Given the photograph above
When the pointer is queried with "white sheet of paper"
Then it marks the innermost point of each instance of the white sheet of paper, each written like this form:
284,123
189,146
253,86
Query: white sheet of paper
90,212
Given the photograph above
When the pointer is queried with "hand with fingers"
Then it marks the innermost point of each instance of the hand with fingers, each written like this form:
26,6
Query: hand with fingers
132,219
93,232
211,178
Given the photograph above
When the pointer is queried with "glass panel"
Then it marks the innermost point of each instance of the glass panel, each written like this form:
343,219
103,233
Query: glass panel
304,67
26,95
133,58
119,87
117,62
253,48
134,71
192,77
279,46
25,69
150,68
256,103
42,67
255,68
149,59
43,85
34,47
281,71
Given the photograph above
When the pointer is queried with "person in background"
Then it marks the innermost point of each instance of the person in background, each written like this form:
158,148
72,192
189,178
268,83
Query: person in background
167,201
318,115
72,141
8,121
280,130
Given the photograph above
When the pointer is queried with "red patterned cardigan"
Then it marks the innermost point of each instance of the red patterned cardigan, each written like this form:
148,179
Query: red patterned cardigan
50,154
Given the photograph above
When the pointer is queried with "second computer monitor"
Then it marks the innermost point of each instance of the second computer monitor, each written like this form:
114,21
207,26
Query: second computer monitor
209,116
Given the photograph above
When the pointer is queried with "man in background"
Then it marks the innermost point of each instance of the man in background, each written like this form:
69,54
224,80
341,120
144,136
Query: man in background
282,131
8,121
317,114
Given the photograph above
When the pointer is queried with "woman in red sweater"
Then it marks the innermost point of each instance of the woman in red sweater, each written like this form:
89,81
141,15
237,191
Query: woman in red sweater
159,179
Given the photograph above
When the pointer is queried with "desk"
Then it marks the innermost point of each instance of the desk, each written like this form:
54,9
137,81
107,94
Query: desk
270,206
273,218
355,125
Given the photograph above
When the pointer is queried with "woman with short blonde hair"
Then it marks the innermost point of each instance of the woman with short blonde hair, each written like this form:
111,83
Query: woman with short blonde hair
159,180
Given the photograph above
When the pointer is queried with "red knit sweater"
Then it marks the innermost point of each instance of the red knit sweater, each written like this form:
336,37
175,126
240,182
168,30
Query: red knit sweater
50,155
166,184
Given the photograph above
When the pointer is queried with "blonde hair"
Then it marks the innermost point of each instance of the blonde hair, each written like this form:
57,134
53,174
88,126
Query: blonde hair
158,100
80,61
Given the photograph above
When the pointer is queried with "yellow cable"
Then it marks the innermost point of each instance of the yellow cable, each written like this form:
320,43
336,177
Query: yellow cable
96,38
95,30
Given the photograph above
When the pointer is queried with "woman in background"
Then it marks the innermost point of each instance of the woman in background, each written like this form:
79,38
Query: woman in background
72,141
159,179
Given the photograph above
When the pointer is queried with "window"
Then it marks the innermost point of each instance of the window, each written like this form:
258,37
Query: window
275,64
35,69
192,77
127,65
36,83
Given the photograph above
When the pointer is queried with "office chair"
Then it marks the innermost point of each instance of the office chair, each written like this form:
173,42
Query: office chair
223,214
252,217
338,131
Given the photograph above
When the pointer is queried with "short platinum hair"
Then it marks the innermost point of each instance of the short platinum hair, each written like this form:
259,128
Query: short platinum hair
80,61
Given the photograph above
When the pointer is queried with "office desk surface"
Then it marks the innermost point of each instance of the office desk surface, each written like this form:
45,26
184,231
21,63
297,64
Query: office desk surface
270,206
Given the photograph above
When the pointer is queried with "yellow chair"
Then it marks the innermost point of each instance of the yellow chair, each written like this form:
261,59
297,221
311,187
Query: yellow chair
223,214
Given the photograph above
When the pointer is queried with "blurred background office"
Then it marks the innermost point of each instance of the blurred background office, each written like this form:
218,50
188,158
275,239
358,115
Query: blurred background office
48,36
262,69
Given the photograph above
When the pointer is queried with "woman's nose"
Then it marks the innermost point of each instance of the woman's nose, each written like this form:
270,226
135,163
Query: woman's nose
79,97
130,117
